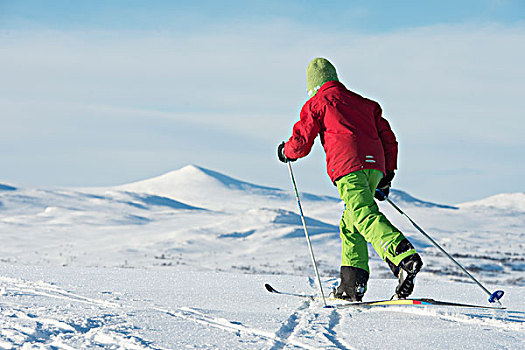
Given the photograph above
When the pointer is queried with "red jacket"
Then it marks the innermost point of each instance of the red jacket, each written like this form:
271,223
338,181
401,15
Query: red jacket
353,133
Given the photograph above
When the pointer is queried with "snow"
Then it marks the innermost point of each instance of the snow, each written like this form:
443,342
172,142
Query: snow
510,202
170,308
180,261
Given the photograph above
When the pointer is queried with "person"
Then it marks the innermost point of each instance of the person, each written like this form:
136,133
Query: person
361,157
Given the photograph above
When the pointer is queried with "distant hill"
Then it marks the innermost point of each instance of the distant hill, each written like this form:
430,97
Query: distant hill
400,196
205,220
201,186
511,202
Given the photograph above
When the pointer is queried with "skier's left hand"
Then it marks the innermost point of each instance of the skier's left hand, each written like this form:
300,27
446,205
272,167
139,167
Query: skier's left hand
384,186
280,154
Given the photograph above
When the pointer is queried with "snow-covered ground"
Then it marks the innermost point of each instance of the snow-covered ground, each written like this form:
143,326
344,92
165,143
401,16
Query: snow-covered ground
180,261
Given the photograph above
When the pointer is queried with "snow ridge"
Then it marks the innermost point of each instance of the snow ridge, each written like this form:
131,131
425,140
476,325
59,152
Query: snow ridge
7,188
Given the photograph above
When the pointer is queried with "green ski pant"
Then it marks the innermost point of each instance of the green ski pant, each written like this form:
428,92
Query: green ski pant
363,222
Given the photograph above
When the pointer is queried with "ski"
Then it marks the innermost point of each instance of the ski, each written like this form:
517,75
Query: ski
273,290
415,302
383,303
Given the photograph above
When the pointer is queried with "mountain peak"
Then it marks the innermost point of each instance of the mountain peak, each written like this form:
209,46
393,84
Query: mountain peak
203,187
190,169
194,174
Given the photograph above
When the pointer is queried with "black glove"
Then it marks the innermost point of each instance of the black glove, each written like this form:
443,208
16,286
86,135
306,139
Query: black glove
281,156
384,186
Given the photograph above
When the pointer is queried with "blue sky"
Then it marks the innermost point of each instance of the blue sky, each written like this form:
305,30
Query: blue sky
362,15
108,92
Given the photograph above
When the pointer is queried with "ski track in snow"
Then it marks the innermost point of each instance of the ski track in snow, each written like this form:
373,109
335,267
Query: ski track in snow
21,287
310,321
109,329
104,323
234,327
304,323
58,327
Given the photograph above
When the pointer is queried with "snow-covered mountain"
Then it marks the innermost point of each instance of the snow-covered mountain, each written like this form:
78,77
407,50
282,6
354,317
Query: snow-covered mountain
194,228
216,191
512,203
186,213
406,199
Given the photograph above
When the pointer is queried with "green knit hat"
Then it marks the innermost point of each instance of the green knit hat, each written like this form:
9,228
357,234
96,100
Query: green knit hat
318,72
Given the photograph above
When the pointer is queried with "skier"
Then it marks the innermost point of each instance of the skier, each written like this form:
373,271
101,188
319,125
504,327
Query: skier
361,156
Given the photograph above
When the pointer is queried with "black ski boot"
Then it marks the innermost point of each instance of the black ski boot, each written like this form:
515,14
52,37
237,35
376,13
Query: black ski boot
353,284
410,266
406,271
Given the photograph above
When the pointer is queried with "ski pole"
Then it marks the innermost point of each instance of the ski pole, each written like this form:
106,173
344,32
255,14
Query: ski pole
493,297
306,233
